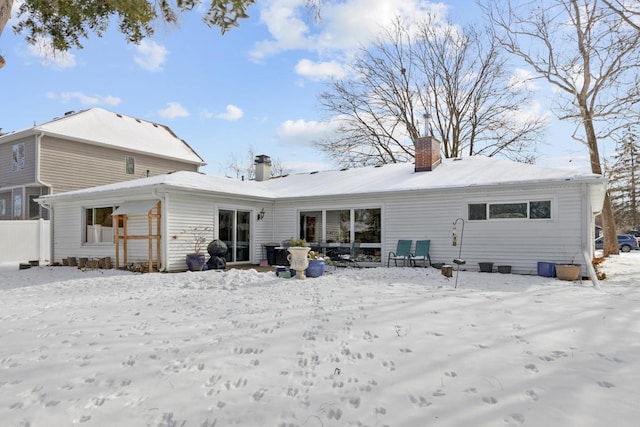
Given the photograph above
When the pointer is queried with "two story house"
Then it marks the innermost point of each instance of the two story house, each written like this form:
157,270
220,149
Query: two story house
80,150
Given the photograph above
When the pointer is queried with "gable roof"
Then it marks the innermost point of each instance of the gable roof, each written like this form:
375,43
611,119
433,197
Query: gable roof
101,127
470,172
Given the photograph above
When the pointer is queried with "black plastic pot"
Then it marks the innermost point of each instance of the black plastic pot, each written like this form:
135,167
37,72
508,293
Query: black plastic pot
504,269
486,267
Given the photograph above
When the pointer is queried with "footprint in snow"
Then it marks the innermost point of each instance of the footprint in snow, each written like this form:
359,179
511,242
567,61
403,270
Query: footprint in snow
606,384
518,418
419,401
531,367
490,400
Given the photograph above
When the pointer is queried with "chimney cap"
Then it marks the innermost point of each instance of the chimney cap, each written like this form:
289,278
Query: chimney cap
262,158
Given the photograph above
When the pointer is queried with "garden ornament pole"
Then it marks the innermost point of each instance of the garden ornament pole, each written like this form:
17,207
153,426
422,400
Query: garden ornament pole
458,261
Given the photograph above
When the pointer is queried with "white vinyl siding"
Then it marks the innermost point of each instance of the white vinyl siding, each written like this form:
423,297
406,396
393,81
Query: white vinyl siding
189,210
429,215
69,165
26,175
414,215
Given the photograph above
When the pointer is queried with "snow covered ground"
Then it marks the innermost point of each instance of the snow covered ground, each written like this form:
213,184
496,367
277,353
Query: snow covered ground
362,347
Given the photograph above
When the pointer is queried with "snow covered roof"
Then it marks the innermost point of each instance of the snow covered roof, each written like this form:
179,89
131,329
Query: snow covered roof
102,127
465,173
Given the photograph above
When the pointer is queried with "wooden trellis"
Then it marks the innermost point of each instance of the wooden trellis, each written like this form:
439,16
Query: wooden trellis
152,210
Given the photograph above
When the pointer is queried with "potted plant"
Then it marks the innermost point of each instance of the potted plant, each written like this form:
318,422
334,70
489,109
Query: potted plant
568,272
298,251
316,264
196,259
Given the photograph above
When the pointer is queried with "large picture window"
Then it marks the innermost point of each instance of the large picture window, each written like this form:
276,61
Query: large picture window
98,225
539,209
344,226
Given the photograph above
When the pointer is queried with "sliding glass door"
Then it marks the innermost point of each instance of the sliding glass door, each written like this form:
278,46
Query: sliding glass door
234,228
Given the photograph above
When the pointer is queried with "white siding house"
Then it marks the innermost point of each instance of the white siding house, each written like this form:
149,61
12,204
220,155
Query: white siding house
514,214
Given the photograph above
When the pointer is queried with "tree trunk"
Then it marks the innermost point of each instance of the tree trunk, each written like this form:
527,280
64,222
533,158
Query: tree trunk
609,234
5,14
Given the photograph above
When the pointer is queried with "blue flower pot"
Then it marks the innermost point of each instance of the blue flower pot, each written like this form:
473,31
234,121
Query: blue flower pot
195,262
315,269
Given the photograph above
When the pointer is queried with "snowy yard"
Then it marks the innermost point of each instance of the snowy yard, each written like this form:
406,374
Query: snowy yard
395,347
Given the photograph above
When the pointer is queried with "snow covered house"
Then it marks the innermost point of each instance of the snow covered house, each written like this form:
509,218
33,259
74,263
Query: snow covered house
80,150
514,214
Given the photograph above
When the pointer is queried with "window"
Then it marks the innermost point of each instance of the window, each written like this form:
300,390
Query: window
508,210
343,226
17,206
478,211
338,226
99,225
539,209
18,157
130,165
367,225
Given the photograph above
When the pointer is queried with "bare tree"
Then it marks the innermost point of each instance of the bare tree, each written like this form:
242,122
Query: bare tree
246,169
583,49
436,78
628,11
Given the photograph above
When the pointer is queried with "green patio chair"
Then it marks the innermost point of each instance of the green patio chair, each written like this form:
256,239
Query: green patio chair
421,253
402,253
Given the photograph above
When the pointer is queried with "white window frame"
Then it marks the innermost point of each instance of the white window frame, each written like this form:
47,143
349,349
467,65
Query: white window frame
498,201
86,238
127,160
18,157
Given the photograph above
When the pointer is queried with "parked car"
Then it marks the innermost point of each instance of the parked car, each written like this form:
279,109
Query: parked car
634,231
626,242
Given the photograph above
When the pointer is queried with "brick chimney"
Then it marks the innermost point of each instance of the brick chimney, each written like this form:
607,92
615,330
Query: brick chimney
427,155
263,167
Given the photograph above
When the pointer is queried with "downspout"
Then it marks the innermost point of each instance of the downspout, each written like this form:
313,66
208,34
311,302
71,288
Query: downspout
164,201
586,209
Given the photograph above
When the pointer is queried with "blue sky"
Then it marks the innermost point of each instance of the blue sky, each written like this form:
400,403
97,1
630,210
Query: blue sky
256,87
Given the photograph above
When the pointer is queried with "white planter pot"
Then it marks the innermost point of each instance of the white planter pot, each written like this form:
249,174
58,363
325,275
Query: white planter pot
298,260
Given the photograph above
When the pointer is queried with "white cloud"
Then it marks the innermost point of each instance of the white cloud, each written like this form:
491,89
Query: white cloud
173,110
206,114
151,56
343,25
302,132
84,99
320,70
49,57
232,113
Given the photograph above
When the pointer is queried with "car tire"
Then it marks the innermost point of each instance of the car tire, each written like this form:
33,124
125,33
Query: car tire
625,248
